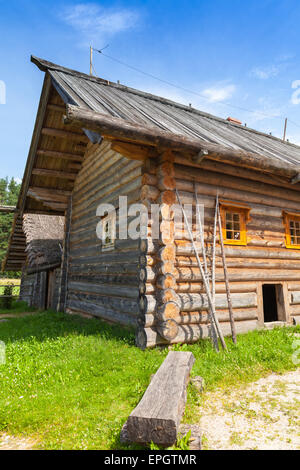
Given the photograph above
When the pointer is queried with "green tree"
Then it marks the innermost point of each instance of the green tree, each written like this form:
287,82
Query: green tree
9,191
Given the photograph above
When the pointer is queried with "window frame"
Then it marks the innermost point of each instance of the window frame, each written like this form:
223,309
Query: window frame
244,211
109,219
287,218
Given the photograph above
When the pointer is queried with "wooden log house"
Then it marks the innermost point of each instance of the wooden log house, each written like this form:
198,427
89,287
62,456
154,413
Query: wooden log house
35,248
95,141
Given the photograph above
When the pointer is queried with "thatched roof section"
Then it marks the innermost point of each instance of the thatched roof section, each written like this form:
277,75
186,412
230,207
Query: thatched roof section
44,237
37,239
43,227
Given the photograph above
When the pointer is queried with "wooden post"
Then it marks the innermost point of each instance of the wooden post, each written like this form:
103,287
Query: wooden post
231,317
284,132
91,60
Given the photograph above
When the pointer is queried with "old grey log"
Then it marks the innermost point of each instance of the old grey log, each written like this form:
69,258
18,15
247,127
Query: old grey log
158,415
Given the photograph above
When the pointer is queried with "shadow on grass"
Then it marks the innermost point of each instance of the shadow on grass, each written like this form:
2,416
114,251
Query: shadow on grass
50,325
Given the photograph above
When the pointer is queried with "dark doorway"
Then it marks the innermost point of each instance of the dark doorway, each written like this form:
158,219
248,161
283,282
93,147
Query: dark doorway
270,295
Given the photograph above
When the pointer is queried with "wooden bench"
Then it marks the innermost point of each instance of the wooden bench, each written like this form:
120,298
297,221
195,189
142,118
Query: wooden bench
157,417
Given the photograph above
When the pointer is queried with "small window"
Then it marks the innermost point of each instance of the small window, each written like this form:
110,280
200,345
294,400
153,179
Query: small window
292,230
234,219
108,232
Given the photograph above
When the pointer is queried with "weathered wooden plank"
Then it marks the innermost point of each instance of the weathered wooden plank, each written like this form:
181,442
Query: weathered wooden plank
295,298
192,302
149,338
158,415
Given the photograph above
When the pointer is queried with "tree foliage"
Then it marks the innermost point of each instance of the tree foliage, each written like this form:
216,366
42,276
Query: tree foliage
9,191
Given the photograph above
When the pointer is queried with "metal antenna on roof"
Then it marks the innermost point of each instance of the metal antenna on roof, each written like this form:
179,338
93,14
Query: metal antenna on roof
284,132
91,60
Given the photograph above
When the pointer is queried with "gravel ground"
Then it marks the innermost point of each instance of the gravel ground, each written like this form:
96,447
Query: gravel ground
261,415
15,443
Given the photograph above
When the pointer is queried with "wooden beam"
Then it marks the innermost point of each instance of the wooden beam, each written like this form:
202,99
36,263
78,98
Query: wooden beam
62,134
112,127
133,151
295,179
50,191
74,166
62,155
157,417
56,107
7,209
52,196
54,173
57,206
35,140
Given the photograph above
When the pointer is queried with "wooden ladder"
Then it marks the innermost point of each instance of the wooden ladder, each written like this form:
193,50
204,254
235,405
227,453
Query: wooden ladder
204,274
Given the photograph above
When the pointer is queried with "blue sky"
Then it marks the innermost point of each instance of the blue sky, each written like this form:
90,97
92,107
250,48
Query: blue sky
246,54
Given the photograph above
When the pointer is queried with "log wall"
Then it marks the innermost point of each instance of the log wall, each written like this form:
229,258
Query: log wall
103,283
33,289
265,259
26,287
155,284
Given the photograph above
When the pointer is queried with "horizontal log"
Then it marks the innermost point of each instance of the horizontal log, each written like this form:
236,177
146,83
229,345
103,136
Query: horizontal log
104,289
193,275
149,338
295,298
7,209
123,130
239,196
237,171
191,302
185,178
293,286
186,249
60,155
104,313
118,304
63,134
54,173
246,264
157,417
196,318
194,287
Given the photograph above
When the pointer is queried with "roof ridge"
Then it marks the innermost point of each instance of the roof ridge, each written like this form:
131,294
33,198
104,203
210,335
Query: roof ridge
45,65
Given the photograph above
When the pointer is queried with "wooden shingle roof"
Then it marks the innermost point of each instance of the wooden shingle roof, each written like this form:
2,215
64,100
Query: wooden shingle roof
145,109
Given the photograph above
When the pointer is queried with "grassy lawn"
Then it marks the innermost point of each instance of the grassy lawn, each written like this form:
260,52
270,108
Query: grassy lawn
17,307
71,383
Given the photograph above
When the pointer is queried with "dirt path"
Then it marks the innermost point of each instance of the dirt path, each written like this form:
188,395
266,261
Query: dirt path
15,443
261,415
7,316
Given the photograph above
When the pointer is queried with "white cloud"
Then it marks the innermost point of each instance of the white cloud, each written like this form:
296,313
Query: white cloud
95,23
217,94
18,180
295,99
263,73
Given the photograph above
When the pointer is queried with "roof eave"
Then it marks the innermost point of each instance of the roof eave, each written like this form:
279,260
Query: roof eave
116,128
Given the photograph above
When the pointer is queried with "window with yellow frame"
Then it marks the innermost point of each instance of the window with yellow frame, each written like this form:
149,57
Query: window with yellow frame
234,219
292,230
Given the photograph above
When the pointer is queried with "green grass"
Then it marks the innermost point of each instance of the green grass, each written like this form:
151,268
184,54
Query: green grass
71,383
17,307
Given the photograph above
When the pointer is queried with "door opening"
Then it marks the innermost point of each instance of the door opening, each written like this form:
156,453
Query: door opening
271,293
